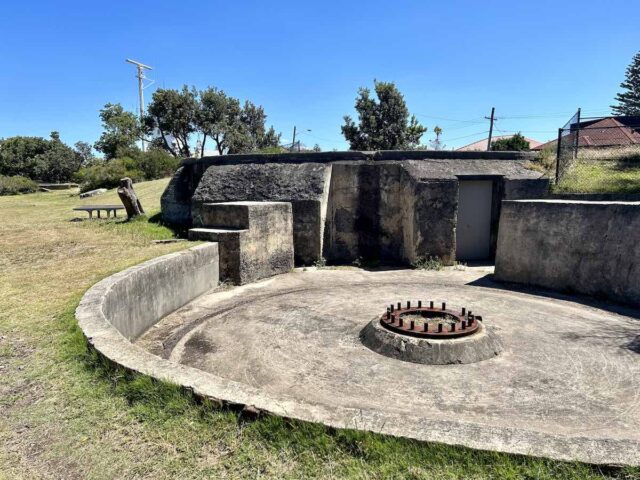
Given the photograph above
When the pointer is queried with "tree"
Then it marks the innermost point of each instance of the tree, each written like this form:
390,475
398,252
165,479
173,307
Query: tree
437,143
122,130
629,100
38,158
174,113
233,128
516,142
85,150
383,124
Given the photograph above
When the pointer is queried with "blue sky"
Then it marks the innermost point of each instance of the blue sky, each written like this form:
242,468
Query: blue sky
535,61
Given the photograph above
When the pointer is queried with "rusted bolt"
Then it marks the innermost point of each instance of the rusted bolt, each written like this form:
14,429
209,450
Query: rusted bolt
463,324
388,314
431,304
464,310
444,306
426,327
412,326
419,303
399,306
408,303
439,328
453,327
400,321
392,307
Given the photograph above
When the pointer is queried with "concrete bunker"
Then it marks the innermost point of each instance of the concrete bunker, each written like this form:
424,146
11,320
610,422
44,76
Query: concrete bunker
389,207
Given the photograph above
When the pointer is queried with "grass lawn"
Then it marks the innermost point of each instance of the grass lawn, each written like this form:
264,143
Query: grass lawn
601,177
63,414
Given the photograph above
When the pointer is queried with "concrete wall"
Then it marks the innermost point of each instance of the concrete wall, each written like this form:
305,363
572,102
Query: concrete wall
388,206
586,247
139,296
255,238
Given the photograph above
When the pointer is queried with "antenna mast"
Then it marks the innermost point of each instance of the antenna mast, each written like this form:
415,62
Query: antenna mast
141,67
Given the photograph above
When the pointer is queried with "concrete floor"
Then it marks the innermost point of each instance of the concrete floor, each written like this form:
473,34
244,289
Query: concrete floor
566,384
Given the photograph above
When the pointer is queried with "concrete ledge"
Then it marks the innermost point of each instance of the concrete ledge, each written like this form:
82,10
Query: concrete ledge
580,246
135,299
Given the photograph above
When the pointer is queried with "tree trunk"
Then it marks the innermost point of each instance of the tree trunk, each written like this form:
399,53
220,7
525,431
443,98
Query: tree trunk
129,198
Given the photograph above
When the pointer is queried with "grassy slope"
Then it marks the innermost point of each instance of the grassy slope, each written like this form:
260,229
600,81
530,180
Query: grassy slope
65,415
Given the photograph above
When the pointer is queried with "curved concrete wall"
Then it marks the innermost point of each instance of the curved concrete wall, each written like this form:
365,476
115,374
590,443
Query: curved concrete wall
135,299
586,247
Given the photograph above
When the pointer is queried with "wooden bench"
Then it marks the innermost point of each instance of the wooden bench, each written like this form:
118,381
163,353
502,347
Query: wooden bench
97,208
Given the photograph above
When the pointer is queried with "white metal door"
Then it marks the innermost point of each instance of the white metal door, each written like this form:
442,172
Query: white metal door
473,231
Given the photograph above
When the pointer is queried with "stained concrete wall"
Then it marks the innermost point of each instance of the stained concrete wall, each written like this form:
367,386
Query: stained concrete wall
138,297
391,206
255,238
586,247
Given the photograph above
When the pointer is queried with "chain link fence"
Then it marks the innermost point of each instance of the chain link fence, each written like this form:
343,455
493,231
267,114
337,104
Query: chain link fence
599,155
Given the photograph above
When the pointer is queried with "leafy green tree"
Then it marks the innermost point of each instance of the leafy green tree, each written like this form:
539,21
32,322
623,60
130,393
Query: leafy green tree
38,158
85,150
122,130
233,128
383,124
516,142
629,99
20,155
173,113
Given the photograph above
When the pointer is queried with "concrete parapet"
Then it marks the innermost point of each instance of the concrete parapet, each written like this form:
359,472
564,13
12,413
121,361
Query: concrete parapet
591,248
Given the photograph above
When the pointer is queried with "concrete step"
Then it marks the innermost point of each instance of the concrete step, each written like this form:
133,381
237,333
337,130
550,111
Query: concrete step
234,215
215,234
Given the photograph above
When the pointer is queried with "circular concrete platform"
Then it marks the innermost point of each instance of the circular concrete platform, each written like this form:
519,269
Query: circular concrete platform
565,386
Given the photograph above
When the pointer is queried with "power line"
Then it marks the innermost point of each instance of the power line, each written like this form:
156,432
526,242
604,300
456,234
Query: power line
466,136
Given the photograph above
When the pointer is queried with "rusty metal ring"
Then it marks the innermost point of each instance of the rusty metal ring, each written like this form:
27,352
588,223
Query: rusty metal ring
457,324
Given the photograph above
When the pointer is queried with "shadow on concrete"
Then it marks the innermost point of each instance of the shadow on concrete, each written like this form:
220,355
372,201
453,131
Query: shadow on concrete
489,281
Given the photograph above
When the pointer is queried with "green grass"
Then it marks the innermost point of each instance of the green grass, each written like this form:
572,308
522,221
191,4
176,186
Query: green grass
595,170
64,413
594,176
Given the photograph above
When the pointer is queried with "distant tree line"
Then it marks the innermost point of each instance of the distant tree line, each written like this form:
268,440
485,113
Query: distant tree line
173,118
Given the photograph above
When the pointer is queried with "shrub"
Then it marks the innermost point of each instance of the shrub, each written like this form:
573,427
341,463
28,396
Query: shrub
108,174
516,142
16,184
428,263
156,164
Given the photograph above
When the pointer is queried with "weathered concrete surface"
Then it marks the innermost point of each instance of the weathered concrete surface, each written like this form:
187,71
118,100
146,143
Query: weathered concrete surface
134,300
482,345
255,238
392,207
302,185
565,385
587,247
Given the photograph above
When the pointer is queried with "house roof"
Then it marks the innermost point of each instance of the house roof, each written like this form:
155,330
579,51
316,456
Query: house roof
481,145
603,132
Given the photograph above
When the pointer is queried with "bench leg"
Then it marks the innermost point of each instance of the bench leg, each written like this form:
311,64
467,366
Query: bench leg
98,213
90,215
115,213
108,213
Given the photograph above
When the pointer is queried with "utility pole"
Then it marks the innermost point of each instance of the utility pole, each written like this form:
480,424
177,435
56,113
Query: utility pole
293,144
491,119
141,67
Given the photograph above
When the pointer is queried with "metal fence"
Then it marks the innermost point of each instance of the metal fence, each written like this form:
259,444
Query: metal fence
598,154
